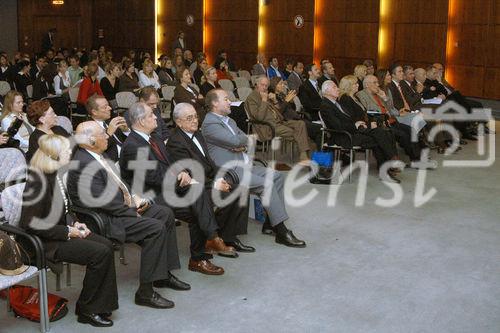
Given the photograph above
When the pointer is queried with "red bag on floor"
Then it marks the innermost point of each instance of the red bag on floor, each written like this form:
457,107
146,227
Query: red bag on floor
24,301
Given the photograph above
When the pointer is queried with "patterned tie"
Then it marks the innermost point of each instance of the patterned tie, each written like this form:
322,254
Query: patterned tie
127,197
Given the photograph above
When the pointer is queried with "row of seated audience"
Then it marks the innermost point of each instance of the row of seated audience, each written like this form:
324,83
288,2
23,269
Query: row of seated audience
204,133
308,91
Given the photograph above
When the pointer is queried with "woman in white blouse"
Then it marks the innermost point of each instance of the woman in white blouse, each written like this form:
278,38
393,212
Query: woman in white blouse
12,109
148,77
62,81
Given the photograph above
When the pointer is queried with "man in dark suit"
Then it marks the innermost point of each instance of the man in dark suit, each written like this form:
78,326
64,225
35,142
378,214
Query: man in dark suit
396,87
99,110
94,183
309,92
180,42
334,117
328,74
150,96
39,65
469,103
409,87
179,190
48,39
188,144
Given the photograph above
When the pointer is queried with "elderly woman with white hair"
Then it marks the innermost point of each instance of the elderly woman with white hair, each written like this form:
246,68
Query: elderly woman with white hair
47,213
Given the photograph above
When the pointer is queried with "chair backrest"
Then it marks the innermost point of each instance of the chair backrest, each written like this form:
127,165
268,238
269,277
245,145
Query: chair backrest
167,92
194,85
253,78
241,82
226,84
321,120
29,90
65,123
73,94
243,93
298,104
245,74
125,99
231,96
11,202
233,74
12,167
4,88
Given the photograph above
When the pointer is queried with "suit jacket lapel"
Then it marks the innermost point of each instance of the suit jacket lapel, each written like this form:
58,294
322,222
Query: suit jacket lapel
152,151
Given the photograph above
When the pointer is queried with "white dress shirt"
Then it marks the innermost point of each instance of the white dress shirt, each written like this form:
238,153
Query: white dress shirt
196,142
145,81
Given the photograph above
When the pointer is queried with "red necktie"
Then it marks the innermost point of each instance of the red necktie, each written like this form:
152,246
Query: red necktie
157,150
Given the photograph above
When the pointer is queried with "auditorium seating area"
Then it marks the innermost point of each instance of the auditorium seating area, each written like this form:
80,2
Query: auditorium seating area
380,143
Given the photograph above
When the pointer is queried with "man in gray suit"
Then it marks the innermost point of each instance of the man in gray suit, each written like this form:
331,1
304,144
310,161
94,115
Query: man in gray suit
294,80
260,67
227,144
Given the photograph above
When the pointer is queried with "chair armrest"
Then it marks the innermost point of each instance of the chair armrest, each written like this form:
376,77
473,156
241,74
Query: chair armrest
34,240
232,177
259,161
339,132
264,123
95,219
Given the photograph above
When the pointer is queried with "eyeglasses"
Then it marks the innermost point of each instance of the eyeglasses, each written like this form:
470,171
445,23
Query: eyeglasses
191,117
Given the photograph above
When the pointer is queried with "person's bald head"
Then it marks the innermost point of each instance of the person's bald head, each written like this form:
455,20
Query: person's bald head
420,75
439,70
91,136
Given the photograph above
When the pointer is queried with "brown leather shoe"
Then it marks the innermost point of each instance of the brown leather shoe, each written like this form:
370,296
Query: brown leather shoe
218,246
205,267
282,167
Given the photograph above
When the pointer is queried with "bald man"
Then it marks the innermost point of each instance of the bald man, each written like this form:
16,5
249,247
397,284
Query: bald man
95,183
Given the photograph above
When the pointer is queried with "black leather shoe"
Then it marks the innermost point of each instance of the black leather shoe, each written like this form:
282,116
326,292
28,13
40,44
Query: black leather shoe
240,247
289,239
267,229
94,319
105,315
469,137
171,282
154,301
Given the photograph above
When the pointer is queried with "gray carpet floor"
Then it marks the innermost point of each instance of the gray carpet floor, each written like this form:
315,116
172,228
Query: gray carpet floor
435,268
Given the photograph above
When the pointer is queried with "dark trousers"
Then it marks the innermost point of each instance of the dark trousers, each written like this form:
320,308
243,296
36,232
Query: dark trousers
201,219
99,293
155,233
205,224
314,133
381,142
402,133
232,219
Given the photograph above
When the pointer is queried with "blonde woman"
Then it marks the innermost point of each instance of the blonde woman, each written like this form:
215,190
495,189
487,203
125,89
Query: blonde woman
348,87
47,213
360,72
147,76
12,110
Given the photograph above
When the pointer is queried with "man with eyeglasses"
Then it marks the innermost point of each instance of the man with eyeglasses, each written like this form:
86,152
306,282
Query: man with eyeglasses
188,144
172,187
